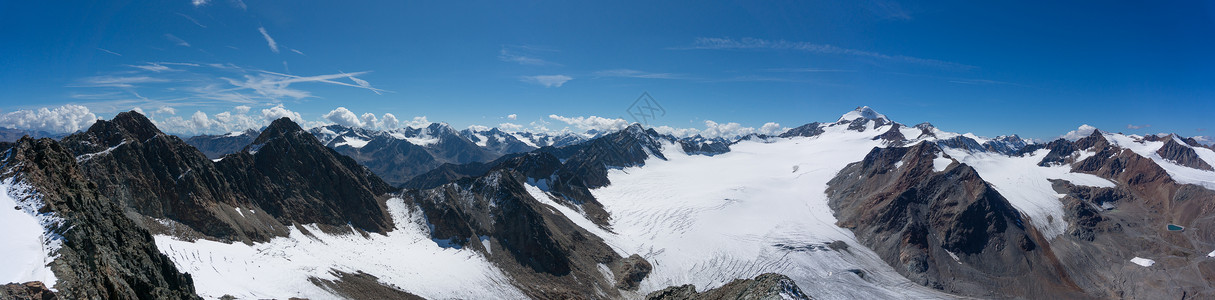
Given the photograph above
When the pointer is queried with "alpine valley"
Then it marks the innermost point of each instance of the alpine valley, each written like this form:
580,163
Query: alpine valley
861,207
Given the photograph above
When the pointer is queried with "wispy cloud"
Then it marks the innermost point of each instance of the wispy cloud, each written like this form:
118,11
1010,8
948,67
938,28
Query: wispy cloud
636,74
240,4
154,67
982,82
524,55
808,70
298,52
1132,126
547,80
192,20
176,40
761,44
117,81
269,40
108,51
198,3
887,9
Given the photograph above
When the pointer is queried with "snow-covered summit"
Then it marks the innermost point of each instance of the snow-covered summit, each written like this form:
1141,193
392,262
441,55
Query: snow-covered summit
862,112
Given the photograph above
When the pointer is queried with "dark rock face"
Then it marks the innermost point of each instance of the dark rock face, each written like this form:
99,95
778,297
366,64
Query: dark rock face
361,285
548,255
104,254
630,271
893,136
765,286
286,173
496,141
961,142
33,290
290,175
160,176
216,146
808,130
395,160
926,129
704,146
1007,145
918,220
1182,155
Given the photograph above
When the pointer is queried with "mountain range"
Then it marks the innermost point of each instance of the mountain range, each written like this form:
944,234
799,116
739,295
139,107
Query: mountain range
861,207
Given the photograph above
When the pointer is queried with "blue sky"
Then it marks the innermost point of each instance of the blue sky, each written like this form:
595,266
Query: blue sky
1038,69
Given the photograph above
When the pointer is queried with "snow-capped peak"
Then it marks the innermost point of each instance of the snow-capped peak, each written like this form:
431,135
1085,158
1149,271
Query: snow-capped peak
862,112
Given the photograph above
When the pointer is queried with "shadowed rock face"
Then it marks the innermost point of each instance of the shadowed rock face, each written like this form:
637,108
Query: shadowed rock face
33,290
286,173
548,255
918,220
1182,155
160,176
808,130
104,255
290,175
893,136
765,286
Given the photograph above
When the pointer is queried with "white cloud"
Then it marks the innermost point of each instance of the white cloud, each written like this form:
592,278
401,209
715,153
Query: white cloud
64,119
154,67
522,55
166,110
635,74
772,128
344,117
370,121
677,132
277,112
241,109
118,81
298,52
108,51
1206,140
1084,131
592,122
478,128
512,116
547,80
761,44
417,122
199,2
727,130
389,121
176,40
269,40
1133,126
510,127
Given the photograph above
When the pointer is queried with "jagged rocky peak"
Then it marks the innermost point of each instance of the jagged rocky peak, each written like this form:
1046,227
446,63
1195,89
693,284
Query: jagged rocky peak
283,127
808,130
892,136
1182,154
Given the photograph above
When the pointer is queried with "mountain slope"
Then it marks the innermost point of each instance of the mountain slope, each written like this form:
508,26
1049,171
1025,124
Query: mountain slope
103,254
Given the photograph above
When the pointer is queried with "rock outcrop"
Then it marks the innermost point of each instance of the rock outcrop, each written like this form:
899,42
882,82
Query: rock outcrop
104,254
768,286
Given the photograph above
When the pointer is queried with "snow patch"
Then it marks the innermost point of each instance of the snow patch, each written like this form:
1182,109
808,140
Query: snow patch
28,244
352,142
940,163
1143,261
280,268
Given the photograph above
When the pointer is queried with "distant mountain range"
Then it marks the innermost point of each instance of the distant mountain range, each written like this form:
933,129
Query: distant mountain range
859,208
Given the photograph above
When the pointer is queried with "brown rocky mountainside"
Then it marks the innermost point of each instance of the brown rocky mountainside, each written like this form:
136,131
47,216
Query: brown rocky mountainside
948,230
104,254
549,256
